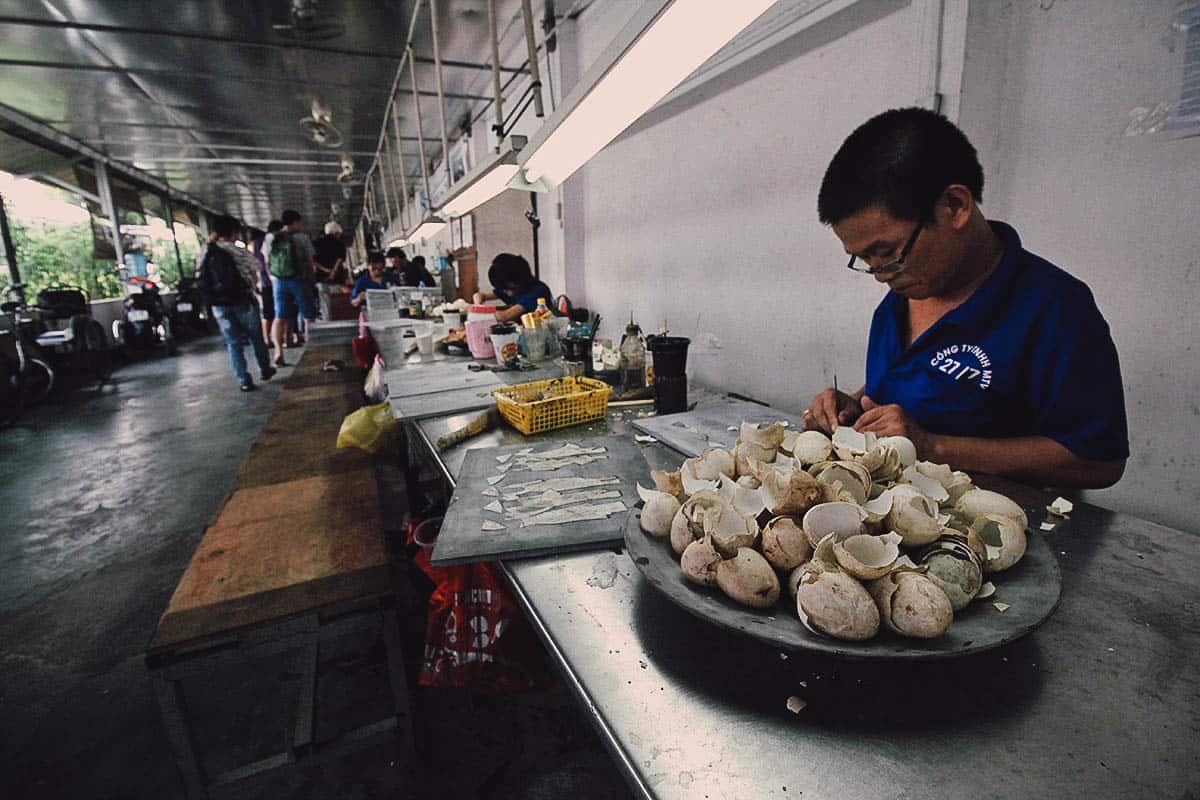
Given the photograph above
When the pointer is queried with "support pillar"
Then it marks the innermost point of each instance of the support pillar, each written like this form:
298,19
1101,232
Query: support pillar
10,251
104,188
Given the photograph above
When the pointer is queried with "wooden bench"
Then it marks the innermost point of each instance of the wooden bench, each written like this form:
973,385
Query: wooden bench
295,557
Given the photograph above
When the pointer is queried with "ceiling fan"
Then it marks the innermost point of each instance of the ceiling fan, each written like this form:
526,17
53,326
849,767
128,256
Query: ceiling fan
319,126
307,25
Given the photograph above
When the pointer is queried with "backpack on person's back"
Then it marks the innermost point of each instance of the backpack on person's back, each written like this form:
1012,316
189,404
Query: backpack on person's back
286,260
220,279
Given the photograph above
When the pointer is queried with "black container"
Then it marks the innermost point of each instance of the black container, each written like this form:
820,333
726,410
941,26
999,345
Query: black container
670,372
579,349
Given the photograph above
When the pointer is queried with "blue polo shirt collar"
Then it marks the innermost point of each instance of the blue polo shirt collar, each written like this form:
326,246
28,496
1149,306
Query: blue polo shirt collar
985,305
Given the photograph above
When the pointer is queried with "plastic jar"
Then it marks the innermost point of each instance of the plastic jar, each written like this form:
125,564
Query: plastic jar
480,320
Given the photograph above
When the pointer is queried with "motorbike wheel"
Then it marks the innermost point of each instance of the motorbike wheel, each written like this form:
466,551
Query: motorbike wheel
10,393
36,382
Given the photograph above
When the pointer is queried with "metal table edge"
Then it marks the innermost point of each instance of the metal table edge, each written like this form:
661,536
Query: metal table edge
607,735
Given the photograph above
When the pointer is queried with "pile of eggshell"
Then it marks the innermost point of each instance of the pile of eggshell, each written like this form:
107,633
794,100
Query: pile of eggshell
860,532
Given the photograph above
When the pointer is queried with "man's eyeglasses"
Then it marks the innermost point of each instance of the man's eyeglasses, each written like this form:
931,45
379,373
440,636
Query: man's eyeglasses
891,266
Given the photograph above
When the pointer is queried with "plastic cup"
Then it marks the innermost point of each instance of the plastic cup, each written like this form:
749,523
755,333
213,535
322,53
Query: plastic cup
425,344
670,372
535,343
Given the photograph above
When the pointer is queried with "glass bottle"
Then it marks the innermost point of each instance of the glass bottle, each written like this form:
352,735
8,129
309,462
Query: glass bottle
633,358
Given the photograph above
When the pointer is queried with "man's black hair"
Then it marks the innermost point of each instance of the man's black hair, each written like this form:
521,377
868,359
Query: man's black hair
375,257
226,227
291,217
418,261
396,252
275,226
509,270
900,161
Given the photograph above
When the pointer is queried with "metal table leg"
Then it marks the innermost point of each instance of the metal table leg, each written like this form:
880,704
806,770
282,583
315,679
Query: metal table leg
179,735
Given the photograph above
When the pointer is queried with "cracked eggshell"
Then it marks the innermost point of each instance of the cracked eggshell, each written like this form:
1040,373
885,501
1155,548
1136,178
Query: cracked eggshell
748,579
688,524
790,492
729,530
811,447
748,501
842,519
1004,539
785,544
850,440
658,511
867,557
745,454
693,483
699,562
719,461
882,462
768,438
960,483
832,603
850,475
904,447
912,605
978,502
913,515
669,482
960,578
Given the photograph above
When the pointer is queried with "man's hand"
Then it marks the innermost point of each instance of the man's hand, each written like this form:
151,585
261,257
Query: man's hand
829,409
893,420
477,298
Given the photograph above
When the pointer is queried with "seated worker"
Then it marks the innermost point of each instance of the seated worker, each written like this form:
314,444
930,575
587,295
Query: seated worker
397,262
514,284
373,278
988,357
415,274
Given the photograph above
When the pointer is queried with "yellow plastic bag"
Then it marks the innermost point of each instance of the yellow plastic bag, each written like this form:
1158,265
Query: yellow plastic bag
369,428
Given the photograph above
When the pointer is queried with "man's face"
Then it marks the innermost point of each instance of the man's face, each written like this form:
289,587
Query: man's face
877,238
376,270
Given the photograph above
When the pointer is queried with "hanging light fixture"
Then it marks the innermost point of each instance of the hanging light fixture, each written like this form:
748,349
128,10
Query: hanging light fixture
666,41
485,181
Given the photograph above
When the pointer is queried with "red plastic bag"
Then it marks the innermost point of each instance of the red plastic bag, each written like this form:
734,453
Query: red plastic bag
365,351
476,635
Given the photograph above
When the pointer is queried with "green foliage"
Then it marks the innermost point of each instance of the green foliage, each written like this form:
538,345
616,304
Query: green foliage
54,255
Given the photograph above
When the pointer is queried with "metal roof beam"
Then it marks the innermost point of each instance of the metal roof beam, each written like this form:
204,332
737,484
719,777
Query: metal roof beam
25,127
233,40
214,76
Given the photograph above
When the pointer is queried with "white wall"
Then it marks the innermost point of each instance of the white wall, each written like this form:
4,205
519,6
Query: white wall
1047,93
704,212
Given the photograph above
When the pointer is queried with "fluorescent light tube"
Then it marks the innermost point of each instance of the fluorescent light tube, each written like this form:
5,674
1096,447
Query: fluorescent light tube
429,227
485,181
670,48
397,243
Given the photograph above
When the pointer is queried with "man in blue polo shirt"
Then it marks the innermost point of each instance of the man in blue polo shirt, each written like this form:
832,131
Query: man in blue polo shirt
988,357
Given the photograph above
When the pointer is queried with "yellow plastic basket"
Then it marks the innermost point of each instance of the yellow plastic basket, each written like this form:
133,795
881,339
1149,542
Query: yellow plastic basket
558,403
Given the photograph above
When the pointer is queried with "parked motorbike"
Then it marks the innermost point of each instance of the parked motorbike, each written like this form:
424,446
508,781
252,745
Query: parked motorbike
144,322
192,316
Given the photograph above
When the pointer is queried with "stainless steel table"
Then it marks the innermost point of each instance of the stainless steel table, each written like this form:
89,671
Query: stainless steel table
1100,702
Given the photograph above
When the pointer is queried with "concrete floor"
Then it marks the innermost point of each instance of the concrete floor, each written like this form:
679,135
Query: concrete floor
103,498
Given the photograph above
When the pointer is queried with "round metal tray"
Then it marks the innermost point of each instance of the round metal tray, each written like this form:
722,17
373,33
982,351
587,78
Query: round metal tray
1031,589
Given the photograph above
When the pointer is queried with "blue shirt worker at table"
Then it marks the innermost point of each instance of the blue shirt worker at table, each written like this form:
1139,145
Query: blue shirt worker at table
988,357
513,283
373,278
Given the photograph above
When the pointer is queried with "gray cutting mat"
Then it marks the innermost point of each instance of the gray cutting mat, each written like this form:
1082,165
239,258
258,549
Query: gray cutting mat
438,404
707,425
443,377
462,539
